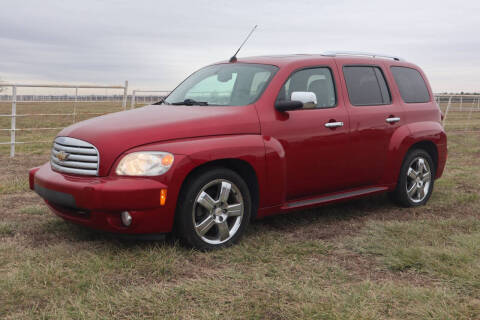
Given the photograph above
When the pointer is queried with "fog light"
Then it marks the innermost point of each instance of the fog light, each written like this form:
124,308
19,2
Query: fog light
126,218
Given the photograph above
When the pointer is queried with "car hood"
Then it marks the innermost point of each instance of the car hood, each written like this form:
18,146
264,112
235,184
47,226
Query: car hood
115,133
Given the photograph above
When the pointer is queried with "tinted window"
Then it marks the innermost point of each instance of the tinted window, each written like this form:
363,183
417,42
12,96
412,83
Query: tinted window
316,80
411,85
366,86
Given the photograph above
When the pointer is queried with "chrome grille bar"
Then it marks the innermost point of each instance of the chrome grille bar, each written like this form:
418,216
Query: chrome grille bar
74,150
74,156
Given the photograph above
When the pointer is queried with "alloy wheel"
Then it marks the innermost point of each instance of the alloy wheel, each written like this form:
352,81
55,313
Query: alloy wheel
218,211
419,177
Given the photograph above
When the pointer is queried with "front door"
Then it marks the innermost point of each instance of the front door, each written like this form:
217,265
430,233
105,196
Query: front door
315,138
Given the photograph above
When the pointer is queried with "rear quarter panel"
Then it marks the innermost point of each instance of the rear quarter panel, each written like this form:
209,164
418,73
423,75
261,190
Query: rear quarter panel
423,123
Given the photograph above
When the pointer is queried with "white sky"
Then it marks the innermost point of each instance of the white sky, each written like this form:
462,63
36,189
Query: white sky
155,44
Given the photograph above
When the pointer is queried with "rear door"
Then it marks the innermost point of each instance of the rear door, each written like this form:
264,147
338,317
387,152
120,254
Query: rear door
374,116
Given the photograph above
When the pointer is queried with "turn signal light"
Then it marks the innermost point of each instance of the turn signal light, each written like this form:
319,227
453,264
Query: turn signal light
163,196
167,160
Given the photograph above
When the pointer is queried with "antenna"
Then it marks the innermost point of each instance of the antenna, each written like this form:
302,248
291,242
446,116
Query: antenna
234,57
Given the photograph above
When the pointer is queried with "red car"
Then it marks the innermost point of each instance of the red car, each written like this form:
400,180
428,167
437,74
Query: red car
247,139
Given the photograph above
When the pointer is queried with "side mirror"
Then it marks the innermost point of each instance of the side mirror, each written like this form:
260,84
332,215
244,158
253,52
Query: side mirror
308,99
283,106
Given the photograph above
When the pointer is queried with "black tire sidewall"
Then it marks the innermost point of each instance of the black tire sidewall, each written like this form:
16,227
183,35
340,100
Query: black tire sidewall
400,192
183,219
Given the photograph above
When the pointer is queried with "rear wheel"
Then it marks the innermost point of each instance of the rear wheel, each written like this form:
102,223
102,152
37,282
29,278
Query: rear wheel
214,209
415,183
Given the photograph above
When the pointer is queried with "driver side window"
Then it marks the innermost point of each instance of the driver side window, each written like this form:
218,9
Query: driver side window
318,81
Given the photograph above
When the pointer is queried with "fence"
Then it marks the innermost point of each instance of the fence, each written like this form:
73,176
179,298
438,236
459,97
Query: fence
461,110
146,99
459,103
13,129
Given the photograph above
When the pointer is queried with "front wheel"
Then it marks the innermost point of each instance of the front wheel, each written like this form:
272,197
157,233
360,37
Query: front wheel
213,210
415,183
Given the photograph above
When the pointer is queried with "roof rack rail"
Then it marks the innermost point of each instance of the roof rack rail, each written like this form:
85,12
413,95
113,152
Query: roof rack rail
356,53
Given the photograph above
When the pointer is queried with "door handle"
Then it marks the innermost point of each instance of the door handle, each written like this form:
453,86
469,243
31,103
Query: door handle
334,124
392,119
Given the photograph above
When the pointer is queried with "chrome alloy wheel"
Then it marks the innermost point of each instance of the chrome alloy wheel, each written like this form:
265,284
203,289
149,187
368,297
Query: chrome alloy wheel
218,211
419,177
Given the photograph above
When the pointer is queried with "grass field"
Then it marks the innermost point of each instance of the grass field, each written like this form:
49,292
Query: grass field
364,259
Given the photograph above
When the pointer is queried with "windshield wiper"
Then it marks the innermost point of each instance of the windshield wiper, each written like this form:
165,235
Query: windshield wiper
161,102
190,102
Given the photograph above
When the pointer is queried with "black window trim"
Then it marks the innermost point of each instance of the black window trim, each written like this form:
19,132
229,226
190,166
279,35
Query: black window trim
421,76
313,67
384,77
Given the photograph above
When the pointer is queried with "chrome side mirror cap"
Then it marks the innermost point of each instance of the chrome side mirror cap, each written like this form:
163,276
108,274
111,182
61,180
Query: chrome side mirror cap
309,99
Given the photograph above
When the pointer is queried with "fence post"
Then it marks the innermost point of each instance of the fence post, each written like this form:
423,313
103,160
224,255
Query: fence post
470,115
75,105
13,121
446,110
125,90
132,104
461,103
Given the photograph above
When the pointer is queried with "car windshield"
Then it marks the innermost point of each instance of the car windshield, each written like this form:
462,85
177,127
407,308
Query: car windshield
229,84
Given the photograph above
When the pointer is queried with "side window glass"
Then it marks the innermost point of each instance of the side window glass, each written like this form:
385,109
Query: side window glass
318,81
411,85
366,86
259,81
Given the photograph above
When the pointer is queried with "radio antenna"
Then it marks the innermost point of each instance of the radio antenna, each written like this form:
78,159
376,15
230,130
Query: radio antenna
234,57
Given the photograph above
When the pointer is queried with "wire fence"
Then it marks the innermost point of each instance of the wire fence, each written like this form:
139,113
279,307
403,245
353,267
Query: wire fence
15,99
38,116
139,97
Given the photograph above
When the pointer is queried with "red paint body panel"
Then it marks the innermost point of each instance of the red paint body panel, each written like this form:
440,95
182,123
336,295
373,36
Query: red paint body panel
297,161
117,132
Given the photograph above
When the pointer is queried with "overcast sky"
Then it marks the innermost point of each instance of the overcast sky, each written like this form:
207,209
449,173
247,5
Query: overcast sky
155,44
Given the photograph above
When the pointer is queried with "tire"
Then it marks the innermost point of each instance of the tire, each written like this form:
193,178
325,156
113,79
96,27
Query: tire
213,210
416,179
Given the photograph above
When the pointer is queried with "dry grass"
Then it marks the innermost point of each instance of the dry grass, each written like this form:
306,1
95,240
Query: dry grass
365,259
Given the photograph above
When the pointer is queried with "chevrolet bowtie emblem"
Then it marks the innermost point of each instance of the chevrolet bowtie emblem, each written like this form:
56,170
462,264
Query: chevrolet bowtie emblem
62,156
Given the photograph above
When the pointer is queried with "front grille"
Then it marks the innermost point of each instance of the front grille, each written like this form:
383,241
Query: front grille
75,156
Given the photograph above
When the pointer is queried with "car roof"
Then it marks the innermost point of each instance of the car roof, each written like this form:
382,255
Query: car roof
287,59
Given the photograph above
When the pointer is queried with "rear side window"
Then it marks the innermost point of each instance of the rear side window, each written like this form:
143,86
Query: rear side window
366,86
411,85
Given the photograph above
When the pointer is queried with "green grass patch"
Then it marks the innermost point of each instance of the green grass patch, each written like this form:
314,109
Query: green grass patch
6,229
447,249
14,184
34,210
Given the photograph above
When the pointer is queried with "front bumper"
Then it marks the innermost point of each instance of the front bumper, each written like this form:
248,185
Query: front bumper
97,202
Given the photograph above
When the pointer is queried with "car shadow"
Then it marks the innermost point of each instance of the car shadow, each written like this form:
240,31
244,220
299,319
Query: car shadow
316,223
332,220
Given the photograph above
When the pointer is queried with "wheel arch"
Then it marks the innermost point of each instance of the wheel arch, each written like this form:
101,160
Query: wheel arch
429,147
429,136
242,167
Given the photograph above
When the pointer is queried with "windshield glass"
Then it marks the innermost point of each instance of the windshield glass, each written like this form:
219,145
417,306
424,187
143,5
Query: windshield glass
224,84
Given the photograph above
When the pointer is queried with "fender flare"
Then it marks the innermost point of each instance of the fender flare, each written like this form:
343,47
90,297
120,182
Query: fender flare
407,136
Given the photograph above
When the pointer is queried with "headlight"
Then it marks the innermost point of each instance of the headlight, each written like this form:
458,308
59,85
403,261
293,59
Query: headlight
145,164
